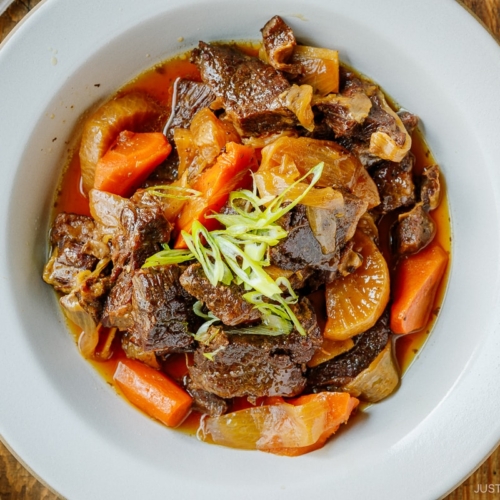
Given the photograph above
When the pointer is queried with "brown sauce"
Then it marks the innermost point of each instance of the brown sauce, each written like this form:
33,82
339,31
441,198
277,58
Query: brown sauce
158,83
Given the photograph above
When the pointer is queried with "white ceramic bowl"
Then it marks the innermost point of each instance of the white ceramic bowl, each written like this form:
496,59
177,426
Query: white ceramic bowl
72,430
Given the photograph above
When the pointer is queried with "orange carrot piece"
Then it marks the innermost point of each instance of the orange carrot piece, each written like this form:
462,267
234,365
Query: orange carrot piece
151,391
417,280
230,172
129,161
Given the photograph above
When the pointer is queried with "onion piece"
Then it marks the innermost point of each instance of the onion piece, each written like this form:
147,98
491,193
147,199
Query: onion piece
324,227
377,381
89,338
384,146
199,146
320,68
107,208
341,167
298,100
366,189
356,107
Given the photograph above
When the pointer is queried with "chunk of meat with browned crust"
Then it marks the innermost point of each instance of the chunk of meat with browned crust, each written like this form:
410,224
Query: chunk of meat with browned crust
356,136
143,228
279,42
117,310
205,402
345,112
191,97
257,365
301,250
162,310
430,187
410,121
336,373
249,90
395,184
414,231
379,120
74,239
225,301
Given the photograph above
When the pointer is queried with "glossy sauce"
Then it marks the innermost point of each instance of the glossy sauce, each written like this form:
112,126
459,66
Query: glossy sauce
158,82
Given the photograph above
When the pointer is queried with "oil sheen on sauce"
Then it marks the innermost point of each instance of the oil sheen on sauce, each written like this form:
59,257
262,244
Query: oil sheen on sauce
158,82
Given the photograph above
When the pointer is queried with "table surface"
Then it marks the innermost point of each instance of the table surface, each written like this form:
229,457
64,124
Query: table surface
16,483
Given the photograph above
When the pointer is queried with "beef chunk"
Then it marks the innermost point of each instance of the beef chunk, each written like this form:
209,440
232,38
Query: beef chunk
414,230
430,187
75,248
191,97
142,229
134,351
205,402
410,121
118,306
84,304
379,120
395,184
257,365
162,310
301,250
279,42
248,89
344,113
356,137
347,220
334,374
226,302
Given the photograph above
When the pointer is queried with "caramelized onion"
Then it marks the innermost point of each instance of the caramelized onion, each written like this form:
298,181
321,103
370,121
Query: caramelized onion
341,167
298,100
89,337
319,68
356,107
273,181
199,146
106,208
377,381
324,228
383,145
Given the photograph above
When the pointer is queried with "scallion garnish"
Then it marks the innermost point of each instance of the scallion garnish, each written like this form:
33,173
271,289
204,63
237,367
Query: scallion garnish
240,252
168,256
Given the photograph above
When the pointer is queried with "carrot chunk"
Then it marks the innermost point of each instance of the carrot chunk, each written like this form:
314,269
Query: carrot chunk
230,172
152,392
417,280
129,161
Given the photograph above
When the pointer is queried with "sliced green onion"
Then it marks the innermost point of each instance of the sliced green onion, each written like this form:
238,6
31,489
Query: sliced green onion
262,330
202,334
291,315
210,258
275,211
210,355
168,256
258,279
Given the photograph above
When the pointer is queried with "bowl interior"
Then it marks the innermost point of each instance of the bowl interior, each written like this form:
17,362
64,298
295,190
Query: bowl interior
77,410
